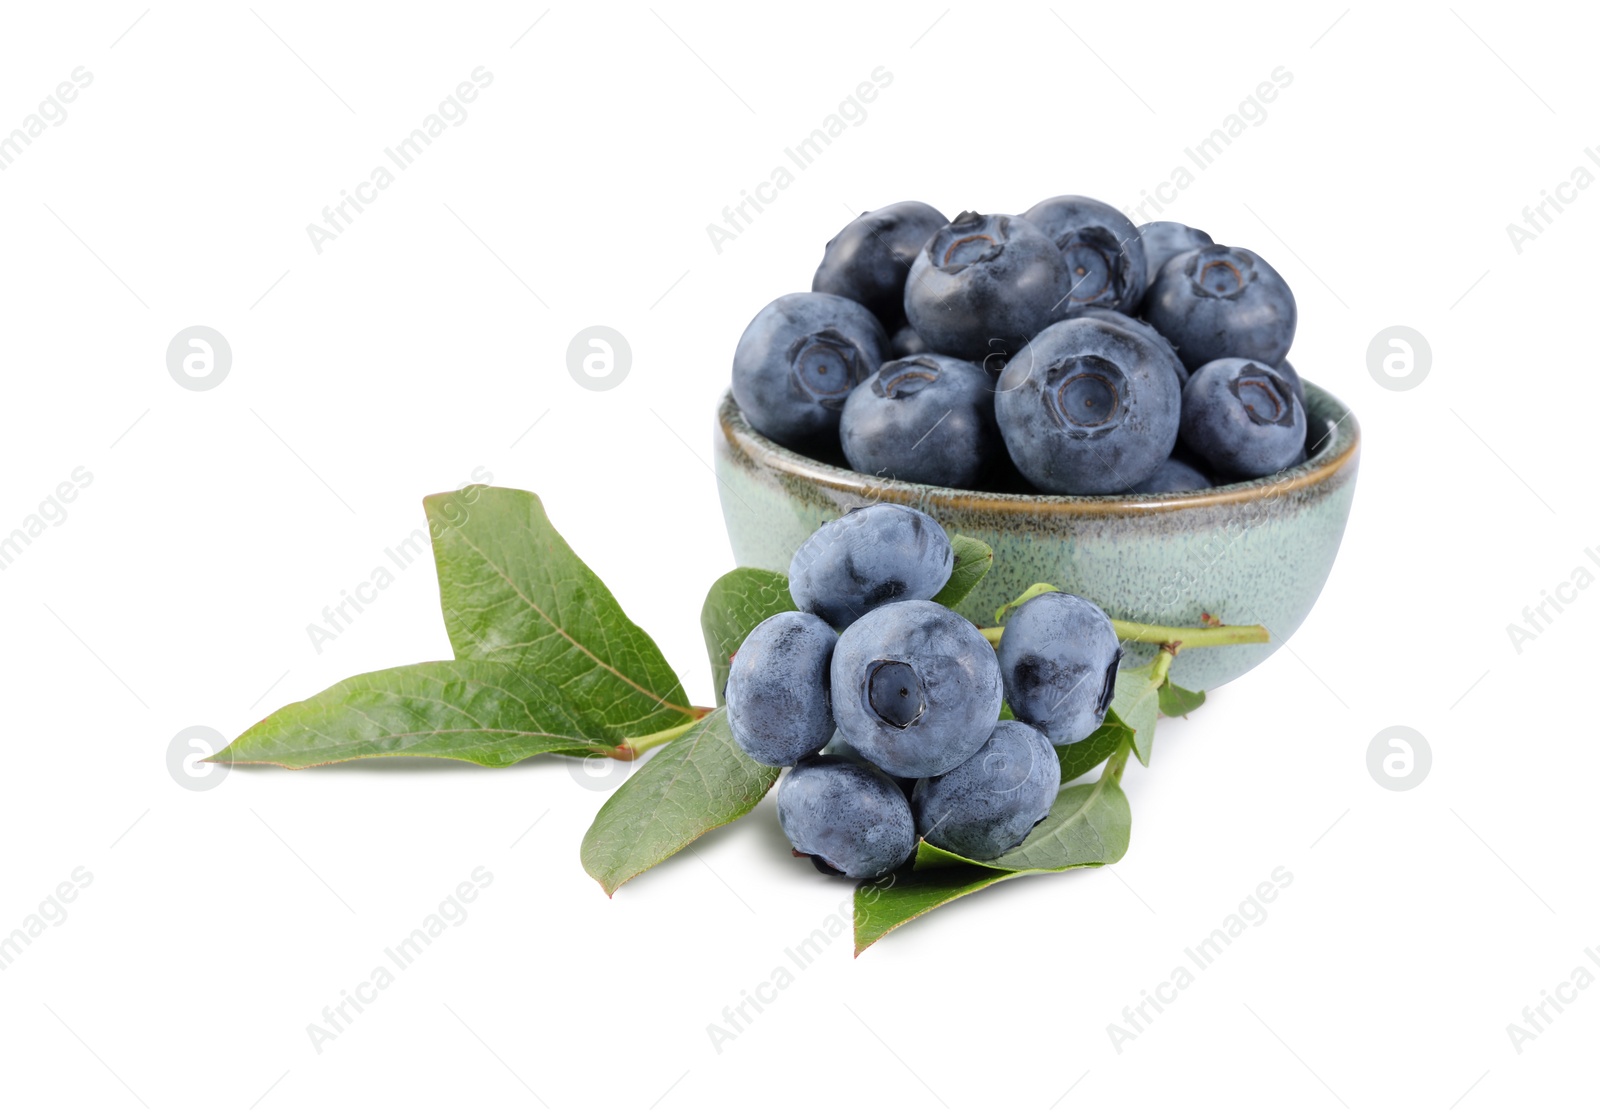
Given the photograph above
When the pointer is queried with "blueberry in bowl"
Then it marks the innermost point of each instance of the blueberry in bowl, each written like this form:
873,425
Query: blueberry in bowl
985,284
1101,248
1242,419
868,259
1218,301
890,418
797,362
1088,407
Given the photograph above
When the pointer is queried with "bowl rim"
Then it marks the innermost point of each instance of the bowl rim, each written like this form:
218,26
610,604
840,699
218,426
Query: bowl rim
1341,451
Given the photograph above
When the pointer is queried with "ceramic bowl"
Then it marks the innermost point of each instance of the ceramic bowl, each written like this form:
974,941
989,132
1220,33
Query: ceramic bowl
1254,552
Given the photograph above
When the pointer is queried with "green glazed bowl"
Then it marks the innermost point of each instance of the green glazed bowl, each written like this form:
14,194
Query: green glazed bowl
1255,552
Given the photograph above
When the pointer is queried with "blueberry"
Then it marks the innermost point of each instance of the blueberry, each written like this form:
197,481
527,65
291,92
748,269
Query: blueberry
1103,251
1059,655
850,818
1165,239
868,259
867,557
1242,419
987,804
1088,407
777,693
1287,372
916,688
1218,301
1143,329
798,360
985,284
927,419
1173,476
906,343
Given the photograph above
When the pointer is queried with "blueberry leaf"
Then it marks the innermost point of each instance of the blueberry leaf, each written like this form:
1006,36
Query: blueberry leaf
1081,756
484,712
1176,701
690,786
1027,595
736,603
512,590
1089,825
973,560
1136,705
881,908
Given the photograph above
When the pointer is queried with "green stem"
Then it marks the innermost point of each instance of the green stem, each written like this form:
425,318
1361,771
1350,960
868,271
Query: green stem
1112,773
1163,662
632,748
1207,637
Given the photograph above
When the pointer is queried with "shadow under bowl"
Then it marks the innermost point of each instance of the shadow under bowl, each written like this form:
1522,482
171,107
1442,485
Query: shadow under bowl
1251,553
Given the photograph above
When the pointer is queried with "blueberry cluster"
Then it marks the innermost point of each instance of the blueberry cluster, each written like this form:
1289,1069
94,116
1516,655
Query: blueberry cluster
1061,350
887,705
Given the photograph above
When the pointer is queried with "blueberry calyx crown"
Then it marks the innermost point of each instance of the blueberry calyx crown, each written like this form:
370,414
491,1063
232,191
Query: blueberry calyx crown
826,365
971,238
1088,395
905,377
1266,397
1220,272
894,692
1096,263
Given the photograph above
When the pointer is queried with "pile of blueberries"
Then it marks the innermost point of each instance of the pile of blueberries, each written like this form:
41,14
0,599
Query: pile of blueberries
1059,351
887,705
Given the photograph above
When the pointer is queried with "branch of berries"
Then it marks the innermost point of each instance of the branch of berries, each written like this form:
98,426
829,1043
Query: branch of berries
927,757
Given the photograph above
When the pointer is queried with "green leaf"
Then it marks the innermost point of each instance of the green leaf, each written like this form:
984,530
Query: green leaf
512,590
736,603
464,710
973,560
1177,702
1081,756
1135,702
1027,595
880,908
1089,825
695,783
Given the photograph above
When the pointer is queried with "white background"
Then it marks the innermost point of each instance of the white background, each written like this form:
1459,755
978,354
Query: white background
429,337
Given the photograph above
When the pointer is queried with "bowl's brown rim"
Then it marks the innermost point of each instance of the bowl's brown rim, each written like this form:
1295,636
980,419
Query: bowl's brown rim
1339,456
